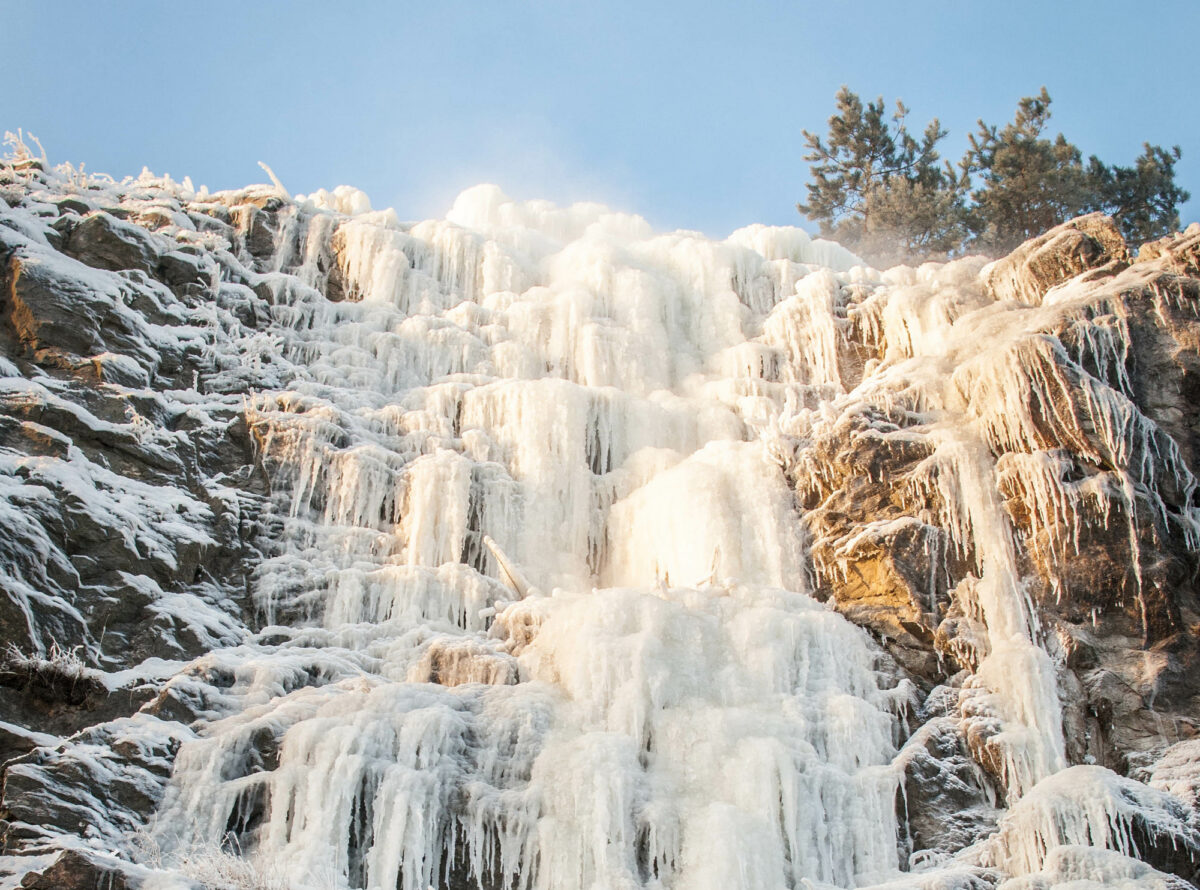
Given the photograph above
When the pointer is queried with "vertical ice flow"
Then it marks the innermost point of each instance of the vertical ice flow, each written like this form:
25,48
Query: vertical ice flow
540,601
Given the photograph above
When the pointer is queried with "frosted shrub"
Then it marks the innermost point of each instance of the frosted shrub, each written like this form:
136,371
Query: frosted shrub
214,867
18,151
58,665
218,868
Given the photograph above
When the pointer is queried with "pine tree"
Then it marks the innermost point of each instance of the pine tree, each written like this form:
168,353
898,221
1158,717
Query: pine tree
879,190
1028,183
1143,200
886,194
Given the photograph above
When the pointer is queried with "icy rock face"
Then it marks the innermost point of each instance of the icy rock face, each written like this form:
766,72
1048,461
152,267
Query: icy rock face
130,500
1028,273
75,871
532,548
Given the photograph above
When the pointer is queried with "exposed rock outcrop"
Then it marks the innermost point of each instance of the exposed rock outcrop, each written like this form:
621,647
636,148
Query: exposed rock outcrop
1081,245
1085,410
73,870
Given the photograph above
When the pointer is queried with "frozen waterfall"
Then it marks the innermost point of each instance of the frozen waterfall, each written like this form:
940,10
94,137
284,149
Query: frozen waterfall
587,557
540,550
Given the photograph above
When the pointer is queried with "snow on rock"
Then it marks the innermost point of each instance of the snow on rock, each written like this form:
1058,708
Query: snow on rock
1090,806
1089,868
1030,271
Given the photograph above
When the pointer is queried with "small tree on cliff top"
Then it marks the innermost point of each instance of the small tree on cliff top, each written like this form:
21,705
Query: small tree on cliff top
877,187
1143,199
887,195
1028,183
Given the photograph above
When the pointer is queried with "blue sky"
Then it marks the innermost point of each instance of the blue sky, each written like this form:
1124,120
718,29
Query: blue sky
688,113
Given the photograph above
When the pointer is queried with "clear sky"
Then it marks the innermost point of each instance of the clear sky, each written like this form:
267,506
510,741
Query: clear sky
688,113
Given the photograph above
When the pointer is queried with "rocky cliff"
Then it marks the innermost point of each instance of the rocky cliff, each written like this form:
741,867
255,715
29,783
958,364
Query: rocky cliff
516,550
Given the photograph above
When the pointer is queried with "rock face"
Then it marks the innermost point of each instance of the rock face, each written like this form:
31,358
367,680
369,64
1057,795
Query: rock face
1029,272
74,871
1086,412
131,504
281,487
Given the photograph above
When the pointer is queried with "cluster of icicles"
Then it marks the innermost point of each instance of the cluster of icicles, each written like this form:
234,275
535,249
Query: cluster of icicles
539,607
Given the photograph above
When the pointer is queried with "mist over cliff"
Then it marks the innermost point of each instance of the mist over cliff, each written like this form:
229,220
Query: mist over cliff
533,548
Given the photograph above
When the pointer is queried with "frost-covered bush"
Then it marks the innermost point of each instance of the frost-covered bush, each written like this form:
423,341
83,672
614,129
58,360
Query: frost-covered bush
216,867
59,670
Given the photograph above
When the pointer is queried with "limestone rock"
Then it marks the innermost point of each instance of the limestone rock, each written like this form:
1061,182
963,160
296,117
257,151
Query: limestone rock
1085,243
1178,253
74,870
106,242
187,274
55,311
947,801
16,741
100,783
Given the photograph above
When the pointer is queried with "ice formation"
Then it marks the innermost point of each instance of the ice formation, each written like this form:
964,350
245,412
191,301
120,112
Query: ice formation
516,464
538,613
